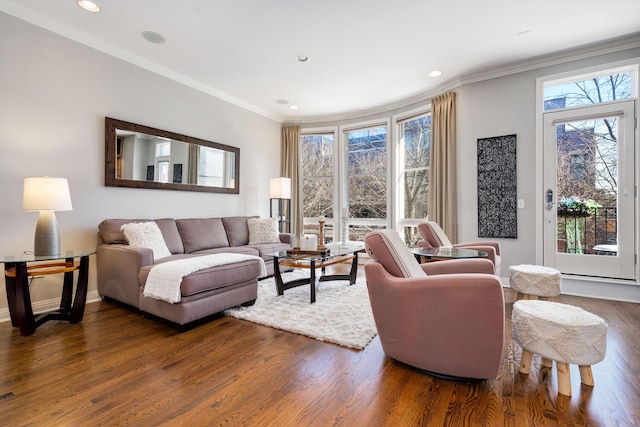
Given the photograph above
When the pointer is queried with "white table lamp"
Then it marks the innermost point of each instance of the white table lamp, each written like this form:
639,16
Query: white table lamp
47,195
280,189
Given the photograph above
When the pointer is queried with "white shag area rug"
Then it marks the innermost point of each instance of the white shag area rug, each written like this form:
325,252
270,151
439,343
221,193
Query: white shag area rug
341,314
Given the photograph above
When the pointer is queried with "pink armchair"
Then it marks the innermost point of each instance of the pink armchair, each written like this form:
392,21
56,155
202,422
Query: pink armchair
446,318
433,236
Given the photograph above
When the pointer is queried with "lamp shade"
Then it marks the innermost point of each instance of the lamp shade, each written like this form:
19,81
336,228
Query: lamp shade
280,188
46,193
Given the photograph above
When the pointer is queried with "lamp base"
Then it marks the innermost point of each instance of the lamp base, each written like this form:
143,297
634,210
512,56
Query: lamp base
47,237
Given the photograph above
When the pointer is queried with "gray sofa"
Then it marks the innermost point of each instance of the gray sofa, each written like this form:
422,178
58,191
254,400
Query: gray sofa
122,269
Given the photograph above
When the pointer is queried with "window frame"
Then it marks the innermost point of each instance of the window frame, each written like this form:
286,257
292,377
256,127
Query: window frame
395,172
401,222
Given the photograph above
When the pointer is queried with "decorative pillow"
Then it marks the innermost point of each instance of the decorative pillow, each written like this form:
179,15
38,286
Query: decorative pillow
147,235
263,230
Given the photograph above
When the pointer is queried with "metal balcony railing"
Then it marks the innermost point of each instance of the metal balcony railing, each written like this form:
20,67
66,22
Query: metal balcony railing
595,234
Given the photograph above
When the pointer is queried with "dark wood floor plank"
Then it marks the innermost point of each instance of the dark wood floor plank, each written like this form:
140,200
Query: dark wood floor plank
119,368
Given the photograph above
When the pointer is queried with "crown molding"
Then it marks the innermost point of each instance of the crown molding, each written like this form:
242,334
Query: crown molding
569,55
87,40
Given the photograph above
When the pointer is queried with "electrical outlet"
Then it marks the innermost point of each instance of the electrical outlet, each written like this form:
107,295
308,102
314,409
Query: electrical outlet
520,203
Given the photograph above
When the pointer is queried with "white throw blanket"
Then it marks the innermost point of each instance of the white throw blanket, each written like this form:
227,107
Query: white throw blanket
164,279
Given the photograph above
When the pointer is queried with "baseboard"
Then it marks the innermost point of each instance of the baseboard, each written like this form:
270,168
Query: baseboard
47,305
593,287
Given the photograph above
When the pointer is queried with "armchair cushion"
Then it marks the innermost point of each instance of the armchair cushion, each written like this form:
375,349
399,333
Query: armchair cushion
388,249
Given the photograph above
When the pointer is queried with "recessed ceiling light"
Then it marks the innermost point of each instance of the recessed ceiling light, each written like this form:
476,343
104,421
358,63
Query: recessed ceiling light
302,58
153,37
89,6
435,73
293,107
282,101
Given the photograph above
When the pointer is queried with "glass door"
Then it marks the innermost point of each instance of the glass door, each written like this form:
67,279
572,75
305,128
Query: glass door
589,190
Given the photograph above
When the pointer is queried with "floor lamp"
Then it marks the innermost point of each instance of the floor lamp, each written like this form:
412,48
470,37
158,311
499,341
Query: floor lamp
280,190
47,195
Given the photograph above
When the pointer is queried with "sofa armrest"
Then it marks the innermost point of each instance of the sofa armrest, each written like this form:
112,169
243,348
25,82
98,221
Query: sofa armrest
288,238
118,267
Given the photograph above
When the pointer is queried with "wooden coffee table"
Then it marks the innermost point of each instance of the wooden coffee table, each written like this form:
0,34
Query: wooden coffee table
337,253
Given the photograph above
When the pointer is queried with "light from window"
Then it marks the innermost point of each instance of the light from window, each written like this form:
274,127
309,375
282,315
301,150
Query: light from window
163,171
594,89
163,149
367,172
316,153
416,143
212,169
414,149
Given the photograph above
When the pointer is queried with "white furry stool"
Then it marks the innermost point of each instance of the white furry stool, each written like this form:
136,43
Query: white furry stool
560,332
535,281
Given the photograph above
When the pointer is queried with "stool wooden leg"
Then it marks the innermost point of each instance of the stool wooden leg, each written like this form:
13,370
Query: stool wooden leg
586,376
547,363
564,378
525,361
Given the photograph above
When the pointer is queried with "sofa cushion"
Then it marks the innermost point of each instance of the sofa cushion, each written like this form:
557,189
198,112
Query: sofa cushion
263,230
211,278
147,235
237,229
202,233
247,250
111,233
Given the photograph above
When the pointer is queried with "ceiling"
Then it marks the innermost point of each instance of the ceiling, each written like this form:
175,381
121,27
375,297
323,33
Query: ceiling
364,55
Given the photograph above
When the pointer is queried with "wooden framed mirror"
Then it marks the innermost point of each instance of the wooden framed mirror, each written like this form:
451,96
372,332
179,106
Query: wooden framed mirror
139,156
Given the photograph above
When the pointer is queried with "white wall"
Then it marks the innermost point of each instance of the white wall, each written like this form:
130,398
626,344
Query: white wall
501,106
54,96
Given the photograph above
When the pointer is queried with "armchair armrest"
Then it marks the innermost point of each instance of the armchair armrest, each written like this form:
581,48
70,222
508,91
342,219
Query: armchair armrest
470,245
459,266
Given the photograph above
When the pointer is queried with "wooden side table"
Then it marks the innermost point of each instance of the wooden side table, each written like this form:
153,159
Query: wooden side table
18,269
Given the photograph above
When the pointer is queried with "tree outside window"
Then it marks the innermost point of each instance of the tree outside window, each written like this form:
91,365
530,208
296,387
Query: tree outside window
414,148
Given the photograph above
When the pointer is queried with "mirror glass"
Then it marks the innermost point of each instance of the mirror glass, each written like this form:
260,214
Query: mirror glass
143,157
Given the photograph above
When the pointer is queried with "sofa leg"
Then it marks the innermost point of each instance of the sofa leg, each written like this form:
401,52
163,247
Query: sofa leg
248,303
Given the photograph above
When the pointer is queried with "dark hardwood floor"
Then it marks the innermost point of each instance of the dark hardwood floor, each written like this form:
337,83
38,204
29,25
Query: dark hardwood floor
118,368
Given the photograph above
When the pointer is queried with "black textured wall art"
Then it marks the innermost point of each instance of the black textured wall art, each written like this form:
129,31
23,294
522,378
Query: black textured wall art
497,187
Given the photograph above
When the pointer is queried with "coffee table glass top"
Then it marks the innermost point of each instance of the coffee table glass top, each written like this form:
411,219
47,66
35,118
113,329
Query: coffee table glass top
454,253
30,257
335,250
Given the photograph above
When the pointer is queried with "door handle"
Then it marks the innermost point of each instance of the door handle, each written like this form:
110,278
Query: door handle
549,199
